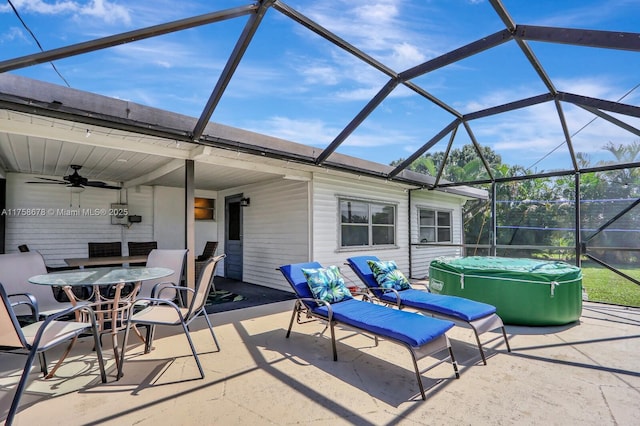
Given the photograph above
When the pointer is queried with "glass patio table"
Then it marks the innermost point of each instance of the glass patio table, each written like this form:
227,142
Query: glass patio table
97,277
111,312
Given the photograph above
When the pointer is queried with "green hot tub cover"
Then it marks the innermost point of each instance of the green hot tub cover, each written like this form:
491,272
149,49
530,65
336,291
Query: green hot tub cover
524,291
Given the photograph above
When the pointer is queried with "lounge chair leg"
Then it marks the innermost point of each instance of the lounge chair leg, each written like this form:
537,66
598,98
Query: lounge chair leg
333,342
454,363
506,341
484,359
418,377
296,308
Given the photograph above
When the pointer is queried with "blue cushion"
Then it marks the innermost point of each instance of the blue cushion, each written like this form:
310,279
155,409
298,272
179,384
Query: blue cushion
363,271
408,327
327,284
459,307
388,276
293,274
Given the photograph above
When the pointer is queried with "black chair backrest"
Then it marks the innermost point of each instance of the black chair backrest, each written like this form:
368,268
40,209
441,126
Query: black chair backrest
105,249
140,249
209,250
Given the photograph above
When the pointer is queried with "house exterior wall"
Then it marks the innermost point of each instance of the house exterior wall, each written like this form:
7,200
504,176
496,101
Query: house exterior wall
288,221
422,254
327,190
275,231
168,227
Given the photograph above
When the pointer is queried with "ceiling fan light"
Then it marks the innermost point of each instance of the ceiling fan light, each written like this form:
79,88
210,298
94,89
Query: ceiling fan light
75,189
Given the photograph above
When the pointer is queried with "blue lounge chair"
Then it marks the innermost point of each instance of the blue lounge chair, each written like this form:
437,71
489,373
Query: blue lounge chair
422,336
481,317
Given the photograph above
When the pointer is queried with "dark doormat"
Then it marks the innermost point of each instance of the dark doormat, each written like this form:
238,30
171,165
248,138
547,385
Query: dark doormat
223,296
232,294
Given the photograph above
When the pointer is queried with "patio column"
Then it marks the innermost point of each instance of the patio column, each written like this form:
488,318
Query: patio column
189,223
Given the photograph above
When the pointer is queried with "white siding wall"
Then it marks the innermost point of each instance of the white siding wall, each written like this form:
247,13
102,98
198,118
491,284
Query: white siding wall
168,228
276,229
169,221
326,250
58,236
421,256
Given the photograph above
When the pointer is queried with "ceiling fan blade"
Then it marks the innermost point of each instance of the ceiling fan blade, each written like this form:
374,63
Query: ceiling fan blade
53,182
49,179
98,184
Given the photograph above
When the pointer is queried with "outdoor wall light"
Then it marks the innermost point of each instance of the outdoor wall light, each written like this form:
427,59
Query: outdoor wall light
244,202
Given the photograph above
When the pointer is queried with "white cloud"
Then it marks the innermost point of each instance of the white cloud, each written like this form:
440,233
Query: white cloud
320,74
534,136
103,10
44,8
314,132
594,87
378,28
106,11
317,132
13,33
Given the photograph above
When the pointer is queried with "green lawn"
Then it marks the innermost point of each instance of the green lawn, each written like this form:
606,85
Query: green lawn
603,285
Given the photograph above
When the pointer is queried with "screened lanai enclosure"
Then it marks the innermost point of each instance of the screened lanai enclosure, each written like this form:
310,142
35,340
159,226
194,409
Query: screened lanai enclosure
535,102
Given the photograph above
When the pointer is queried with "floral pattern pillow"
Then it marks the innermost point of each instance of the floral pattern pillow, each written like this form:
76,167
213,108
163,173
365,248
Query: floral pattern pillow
388,276
327,284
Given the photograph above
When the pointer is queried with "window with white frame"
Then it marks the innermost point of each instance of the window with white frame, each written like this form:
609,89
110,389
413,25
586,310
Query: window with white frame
364,223
435,225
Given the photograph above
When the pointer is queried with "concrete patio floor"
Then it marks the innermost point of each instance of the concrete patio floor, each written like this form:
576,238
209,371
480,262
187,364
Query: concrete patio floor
587,373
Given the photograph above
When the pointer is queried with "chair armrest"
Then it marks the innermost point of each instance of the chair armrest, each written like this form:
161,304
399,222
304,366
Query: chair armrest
87,310
151,301
164,285
389,290
29,300
319,302
169,285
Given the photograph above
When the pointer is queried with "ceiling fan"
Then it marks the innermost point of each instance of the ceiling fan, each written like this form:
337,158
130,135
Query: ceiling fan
75,181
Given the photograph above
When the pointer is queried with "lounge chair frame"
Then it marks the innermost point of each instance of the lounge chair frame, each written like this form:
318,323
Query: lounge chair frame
305,306
479,326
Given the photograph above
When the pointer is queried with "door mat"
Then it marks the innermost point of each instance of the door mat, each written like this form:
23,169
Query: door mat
223,296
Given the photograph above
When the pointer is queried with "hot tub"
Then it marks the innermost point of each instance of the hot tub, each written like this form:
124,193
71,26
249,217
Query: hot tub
524,291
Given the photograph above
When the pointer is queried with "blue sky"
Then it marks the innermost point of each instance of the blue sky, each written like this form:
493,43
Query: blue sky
296,85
